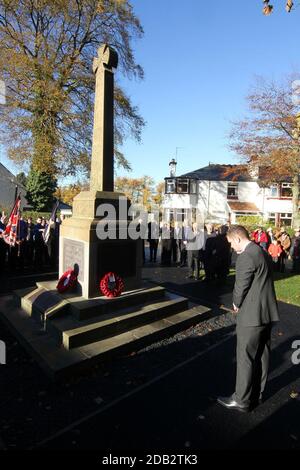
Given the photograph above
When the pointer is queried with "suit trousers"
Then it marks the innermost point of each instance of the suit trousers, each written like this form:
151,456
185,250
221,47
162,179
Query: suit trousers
253,354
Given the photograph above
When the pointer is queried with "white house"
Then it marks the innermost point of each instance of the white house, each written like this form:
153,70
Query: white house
221,193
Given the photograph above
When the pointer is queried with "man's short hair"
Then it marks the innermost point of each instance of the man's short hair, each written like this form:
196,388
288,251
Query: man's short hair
238,231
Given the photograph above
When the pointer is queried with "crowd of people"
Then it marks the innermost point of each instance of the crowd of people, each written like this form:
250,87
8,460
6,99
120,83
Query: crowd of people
192,246
208,249
33,248
280,246
181,244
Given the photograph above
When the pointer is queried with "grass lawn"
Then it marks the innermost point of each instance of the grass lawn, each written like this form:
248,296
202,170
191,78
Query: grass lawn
287,287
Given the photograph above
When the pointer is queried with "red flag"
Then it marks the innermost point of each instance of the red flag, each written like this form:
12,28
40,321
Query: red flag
10,233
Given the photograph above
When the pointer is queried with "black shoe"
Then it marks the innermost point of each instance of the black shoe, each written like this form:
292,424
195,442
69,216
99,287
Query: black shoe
255,403
230,403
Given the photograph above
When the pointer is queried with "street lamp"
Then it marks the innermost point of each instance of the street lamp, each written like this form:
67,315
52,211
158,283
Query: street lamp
172,166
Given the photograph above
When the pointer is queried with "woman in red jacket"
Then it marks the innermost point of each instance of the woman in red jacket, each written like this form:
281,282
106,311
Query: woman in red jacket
261,238
275,251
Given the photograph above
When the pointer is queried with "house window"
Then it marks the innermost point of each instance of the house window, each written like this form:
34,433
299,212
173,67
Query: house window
286,218
170,185
182,185
274,190
180,215
232,191
286,190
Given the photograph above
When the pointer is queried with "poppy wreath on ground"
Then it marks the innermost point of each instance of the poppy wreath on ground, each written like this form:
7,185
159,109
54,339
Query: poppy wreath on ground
111,285
67,281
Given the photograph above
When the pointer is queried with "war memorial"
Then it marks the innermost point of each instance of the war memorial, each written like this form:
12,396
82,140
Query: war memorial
72,331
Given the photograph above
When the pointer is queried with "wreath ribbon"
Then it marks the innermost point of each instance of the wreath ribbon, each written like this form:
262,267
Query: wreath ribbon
111,285
67,281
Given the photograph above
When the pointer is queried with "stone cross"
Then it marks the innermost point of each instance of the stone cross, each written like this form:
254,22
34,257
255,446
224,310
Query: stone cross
102,166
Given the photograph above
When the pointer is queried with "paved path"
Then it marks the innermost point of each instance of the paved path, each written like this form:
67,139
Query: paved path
179,410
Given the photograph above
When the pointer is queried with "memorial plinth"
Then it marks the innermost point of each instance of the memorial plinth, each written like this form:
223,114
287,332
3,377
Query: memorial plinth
81,246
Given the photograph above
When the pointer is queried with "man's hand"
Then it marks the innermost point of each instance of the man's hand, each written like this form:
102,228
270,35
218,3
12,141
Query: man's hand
235,309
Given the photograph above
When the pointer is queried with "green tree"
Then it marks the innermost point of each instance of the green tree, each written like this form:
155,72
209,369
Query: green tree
47,49
40,190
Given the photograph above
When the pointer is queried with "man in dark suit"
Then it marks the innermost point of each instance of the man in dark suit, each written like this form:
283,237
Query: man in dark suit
153,237
255,304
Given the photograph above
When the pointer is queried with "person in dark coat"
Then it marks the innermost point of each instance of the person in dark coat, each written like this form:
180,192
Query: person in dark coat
209,253
29,242
255,305
285,243
166,245
39,245
186,229
21,242
222,254
295,252
153,237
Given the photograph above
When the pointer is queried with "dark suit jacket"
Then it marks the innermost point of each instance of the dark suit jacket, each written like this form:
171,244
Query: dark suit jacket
254,292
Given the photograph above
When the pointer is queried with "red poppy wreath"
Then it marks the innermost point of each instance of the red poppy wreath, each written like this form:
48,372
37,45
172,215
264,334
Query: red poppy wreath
111,285
67,281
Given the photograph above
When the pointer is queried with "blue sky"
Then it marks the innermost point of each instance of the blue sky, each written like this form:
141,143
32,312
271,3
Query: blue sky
200,58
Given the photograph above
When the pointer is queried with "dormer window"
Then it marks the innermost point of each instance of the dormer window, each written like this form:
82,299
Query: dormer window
182,185
170,185
232,191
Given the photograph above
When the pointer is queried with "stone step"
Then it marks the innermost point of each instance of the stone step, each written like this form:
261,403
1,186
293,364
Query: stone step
73,333
85,309
143,336
19,293
39,302
60,363
44,300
